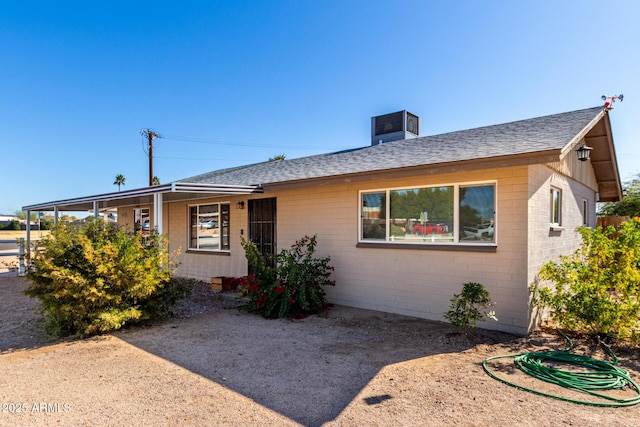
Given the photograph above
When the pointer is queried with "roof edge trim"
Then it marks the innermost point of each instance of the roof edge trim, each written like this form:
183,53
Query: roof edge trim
173,187
580,135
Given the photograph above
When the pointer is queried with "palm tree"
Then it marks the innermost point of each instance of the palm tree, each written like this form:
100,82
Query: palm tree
119,181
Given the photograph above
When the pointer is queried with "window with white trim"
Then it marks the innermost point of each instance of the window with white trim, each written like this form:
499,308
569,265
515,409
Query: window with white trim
209,227
447,214
556,206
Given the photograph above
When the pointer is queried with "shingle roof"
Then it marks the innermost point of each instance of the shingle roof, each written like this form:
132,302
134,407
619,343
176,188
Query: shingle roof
551,132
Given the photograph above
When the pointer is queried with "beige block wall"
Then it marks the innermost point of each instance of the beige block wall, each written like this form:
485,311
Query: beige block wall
544,243
414,282
175,224
205,265
126,216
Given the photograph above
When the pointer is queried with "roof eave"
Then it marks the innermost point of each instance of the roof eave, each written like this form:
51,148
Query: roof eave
605,167
522,159
134,196
614,165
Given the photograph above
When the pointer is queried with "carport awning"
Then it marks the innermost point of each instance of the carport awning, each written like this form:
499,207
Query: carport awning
141,196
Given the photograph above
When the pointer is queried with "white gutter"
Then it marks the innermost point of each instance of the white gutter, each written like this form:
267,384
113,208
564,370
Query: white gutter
173,187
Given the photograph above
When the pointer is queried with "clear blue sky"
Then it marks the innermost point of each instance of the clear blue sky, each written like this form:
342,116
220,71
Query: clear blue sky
229,83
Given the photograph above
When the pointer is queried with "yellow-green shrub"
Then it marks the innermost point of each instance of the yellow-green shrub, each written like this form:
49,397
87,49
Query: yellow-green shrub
597,289
96,277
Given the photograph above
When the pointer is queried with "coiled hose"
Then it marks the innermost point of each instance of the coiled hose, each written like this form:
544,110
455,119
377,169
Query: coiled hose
592,377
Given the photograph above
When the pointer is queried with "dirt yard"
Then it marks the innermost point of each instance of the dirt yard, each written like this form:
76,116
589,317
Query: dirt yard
215,365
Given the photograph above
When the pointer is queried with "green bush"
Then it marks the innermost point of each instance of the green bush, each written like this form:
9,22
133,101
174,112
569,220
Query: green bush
466,306
630,203
596,289
96,277
46,225
13,225
373,231
396,231
294,288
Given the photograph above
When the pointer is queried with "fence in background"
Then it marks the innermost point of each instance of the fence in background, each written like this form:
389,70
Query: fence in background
605,221
20,253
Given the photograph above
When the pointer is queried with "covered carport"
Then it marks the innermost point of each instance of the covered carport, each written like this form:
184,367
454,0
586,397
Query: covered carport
155,196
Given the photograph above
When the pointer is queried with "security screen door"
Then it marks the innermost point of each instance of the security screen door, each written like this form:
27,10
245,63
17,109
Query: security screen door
262,227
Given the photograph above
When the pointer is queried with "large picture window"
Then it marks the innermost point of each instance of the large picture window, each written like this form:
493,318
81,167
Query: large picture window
452,214
209,227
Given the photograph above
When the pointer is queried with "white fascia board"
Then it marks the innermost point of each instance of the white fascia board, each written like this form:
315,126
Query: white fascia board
173,187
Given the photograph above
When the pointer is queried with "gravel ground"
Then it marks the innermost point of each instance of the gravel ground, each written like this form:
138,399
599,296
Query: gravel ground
211,364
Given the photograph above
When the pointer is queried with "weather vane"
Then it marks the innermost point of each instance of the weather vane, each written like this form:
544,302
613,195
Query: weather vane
609,100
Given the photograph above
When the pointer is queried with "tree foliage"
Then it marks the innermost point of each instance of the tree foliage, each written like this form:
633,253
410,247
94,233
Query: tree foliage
597,289
23,215
119,181
629,205
13,225
294,288
435,201
95,277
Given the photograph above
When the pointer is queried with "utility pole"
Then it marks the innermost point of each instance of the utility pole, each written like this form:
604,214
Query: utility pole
151,135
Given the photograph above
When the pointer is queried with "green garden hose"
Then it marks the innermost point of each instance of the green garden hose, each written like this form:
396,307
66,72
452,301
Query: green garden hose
594,375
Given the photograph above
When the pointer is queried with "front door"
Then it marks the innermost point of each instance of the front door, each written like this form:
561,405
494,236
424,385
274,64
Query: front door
262,227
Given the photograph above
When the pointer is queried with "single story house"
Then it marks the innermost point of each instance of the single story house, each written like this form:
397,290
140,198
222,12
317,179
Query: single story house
7,219
406,219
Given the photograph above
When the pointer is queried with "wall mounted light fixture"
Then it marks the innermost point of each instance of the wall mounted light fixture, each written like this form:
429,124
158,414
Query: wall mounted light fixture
240,205
583,153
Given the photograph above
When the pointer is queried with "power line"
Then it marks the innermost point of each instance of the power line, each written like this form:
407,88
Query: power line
240,144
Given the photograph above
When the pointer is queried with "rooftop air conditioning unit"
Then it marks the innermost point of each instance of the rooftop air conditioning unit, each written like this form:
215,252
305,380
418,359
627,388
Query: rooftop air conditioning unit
394,127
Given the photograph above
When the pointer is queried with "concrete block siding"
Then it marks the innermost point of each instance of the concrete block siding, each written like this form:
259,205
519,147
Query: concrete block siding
545,244
413,282
407,281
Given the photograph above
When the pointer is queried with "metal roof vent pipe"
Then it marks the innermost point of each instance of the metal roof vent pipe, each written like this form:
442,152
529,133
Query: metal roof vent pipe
394,127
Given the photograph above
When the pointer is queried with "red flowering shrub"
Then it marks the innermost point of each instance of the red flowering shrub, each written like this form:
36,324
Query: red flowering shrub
294,288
